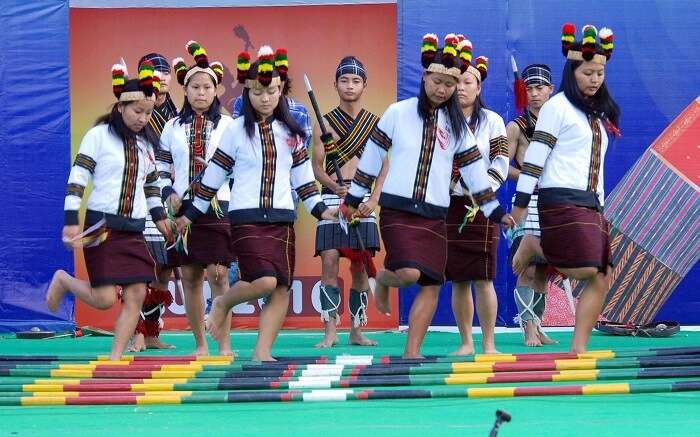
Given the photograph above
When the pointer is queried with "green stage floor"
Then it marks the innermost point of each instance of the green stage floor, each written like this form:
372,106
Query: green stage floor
667,414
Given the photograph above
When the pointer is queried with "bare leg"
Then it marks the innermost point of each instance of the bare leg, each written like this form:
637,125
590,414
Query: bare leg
385,278
271,321
329,276
240,292
192,283
528,249
487,308
217,275
590,303
463,310
419,319
530,332
100,298
359,282
133,297
156,343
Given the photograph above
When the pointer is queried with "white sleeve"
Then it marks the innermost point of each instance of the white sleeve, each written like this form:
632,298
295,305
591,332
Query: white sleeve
304,182
80,174
544,138
370,164
498,152
472,168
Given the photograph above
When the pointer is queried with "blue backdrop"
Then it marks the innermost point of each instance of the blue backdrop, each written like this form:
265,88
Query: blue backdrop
653,75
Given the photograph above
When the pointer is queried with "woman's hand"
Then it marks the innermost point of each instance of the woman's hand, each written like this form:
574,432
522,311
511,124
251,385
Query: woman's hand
174,203
518,214
68,235
367,208
330,214
508,221
181,223
165,227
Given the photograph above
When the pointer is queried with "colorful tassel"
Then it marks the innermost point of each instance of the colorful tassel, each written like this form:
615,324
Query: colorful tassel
180,69
156,81
198,52
482,64
588,43
449,51
606,41
218,69
146,78
265,65
242,66
465,52
119,77
568,32
428,49
282,63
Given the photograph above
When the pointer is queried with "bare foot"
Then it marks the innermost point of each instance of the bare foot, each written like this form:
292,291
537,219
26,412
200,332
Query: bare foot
227,352
526,251
263,357
201,351
544,338
489,350
156,343
328,341
217,318
530,334
357,338
381,298
464,349
138,343
56,290
415,356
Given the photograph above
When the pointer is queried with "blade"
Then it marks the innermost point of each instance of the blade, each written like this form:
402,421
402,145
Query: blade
513,65
307,83
343,223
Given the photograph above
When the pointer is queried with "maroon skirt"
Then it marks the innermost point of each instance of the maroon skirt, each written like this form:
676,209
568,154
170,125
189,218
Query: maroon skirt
265,250
574,236
414,241
471,254
121,259
209,242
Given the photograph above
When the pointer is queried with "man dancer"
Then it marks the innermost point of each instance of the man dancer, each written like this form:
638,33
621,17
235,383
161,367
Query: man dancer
351,126
531,287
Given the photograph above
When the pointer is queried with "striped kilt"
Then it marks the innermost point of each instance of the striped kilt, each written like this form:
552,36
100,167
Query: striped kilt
265,249
121,259
414,241
209,242
574,236
471,254
155,242
329,234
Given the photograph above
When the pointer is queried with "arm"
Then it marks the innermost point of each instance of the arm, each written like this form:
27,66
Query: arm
371,161
543,141
473,171
215,175
498,153
513,134
317,164
366,208
302,178
164,166
80,174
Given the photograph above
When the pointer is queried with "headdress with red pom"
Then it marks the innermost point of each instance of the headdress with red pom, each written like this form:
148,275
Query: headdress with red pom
479,68
202,65
143,88
587,49
445,60
271,68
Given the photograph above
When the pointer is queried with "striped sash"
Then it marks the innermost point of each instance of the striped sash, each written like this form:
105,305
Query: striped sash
353,134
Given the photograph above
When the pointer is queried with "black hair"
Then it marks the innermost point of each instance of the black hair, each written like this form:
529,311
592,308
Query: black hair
601,105
213,113
478,113
117,126
281,111
454,112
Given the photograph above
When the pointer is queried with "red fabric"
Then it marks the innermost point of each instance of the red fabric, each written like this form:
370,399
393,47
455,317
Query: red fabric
359,261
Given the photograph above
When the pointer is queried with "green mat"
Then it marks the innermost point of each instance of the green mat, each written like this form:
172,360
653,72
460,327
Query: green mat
654,414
